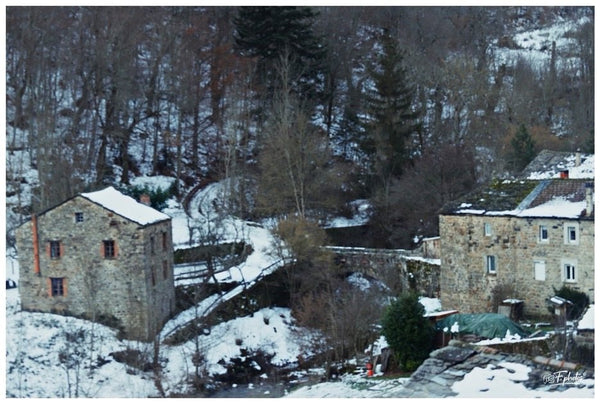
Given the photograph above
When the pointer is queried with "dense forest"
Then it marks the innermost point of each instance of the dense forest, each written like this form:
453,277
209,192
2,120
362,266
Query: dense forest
306,108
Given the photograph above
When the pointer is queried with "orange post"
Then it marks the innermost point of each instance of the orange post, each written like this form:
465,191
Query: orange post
369,370
36,245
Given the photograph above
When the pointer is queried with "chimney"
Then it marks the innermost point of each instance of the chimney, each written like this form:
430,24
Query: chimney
577,158
145,199
589,198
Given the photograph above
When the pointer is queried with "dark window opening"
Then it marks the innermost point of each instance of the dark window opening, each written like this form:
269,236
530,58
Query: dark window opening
78,217
57,286
109,248
55,249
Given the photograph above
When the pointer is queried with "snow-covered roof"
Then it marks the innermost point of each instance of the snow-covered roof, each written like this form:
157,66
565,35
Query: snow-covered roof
549,164
125,206
562,198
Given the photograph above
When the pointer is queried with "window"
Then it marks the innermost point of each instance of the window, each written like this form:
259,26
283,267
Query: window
55,249
153,276
109,248
165,269
490,264
543,234
57,286
487,229
152,244
569,273
539,270
78,217
571,234
164,240
569,269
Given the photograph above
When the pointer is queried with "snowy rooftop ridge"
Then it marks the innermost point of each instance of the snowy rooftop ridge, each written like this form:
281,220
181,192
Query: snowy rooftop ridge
549,164
125,206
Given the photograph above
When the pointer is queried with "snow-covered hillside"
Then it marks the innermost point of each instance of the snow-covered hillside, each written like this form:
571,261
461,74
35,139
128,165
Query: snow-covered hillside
54,356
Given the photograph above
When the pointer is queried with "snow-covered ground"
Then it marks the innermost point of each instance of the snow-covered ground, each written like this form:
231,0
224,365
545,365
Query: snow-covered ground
38,343
535,46
34,340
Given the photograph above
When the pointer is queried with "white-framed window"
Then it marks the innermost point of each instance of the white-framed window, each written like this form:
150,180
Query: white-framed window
539,270
569,270
543,233
490,264
487,229
571,233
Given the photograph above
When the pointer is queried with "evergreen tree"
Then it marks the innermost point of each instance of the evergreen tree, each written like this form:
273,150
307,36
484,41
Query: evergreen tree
392,118
523,149
408,333
272,33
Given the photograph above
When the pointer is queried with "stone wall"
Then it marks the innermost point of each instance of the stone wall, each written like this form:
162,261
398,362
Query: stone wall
526,268
120,291
402,270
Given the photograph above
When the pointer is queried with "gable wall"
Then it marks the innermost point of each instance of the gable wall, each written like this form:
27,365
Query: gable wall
118,288
467,287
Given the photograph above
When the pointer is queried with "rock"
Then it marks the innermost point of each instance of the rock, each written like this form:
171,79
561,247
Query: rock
453,354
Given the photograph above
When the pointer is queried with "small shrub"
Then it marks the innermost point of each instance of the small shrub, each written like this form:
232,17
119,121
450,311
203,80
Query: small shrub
408,333
158,196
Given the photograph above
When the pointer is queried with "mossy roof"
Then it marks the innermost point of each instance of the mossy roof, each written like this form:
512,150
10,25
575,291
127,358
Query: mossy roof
497,196
526,198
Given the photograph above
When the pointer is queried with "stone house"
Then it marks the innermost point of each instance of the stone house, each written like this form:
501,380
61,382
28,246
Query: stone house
517,240
101,256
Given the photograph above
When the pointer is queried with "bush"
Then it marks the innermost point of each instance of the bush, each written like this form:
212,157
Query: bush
158,196
580,301
408,333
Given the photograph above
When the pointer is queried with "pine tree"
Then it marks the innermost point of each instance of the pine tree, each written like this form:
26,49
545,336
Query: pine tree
392,118
523,148
272,33
408,333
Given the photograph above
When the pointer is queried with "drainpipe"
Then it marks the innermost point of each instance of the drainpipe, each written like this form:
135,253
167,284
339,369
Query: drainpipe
36,246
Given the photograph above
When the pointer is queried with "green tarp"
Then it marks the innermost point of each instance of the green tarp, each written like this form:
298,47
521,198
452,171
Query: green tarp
487,325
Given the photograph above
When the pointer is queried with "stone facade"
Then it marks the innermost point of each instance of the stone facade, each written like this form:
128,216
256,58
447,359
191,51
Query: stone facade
526,266
403,270
93,263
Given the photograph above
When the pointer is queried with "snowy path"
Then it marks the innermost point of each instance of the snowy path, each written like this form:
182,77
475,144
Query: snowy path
205,212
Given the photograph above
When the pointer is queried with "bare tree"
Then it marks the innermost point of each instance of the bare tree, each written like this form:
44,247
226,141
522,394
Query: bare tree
294,174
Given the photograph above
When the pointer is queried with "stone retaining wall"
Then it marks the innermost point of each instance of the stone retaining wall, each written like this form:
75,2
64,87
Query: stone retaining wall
402,270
